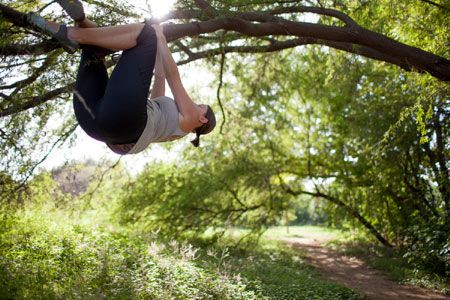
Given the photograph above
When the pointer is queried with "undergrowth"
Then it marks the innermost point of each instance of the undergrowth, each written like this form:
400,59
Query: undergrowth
62,255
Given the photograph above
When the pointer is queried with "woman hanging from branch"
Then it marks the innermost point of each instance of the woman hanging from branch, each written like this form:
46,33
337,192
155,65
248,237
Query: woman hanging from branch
117,110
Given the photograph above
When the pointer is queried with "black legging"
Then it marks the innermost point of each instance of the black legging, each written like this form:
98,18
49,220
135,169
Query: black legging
117,110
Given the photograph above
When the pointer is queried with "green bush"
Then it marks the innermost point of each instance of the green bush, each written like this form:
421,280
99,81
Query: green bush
41,261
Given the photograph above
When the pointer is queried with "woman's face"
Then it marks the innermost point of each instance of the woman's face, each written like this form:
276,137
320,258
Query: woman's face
202,112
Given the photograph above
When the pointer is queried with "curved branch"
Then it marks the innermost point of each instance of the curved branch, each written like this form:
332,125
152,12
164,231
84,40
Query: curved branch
308,9
38,100
349,209
277,46
219,87
405,55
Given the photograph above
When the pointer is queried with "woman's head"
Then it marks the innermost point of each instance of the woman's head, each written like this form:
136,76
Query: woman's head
206,127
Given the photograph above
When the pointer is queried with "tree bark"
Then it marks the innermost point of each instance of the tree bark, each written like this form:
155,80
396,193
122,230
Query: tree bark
351,37
360,40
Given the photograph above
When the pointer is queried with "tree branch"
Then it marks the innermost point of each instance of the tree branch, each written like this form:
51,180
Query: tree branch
207,8
343,205
277,46
27,49
406,56
35,101
37,72
219,100
60,140
367,41
436,4
14,16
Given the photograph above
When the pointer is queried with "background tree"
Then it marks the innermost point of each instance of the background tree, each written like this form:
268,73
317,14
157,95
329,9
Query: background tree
305,132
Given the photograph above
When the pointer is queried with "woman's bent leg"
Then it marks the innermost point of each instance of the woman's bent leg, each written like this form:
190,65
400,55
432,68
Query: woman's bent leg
121,37
123,113
90,86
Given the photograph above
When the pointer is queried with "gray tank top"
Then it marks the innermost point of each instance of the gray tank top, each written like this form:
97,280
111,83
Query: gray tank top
162,124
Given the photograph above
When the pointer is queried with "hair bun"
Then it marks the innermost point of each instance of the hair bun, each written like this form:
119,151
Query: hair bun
196,141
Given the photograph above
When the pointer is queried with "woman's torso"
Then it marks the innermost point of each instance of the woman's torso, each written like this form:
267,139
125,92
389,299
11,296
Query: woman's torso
168,126
162,126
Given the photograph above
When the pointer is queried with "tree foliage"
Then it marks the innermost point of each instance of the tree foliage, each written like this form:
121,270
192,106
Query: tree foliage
345,134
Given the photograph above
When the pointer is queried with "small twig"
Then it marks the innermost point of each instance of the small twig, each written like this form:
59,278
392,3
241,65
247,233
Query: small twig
436,4
102,177
45,6
185,49
60,140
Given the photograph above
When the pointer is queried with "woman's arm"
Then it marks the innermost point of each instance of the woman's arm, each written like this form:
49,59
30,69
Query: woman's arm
159,86
188,109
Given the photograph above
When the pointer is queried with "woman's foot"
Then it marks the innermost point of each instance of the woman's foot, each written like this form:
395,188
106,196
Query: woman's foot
74,9
54,30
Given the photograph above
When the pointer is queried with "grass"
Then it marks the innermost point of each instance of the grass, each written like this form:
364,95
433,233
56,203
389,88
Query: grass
55,254
39,260
52,254
277,272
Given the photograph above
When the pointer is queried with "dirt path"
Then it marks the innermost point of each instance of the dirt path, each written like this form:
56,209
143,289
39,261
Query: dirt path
353,273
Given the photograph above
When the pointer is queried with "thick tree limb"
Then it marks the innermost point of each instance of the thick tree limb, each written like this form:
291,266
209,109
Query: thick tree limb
412,57
14,16
405,56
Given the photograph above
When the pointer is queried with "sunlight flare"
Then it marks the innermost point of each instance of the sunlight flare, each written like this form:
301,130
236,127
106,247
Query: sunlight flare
158,8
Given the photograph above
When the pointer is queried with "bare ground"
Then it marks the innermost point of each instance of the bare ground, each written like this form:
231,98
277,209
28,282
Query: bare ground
353,273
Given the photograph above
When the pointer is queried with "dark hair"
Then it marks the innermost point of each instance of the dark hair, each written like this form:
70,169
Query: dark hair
205,128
